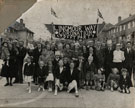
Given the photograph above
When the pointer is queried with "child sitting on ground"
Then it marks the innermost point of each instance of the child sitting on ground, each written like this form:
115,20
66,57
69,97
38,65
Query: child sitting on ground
113,79
28,72
100,80
41,71
125,81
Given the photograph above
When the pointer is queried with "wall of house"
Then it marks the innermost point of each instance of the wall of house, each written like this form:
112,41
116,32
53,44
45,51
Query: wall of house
122,32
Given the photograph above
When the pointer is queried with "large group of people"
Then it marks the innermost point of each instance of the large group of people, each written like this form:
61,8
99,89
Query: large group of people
58,66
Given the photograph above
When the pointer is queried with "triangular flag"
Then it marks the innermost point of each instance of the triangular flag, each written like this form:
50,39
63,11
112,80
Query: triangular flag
53,13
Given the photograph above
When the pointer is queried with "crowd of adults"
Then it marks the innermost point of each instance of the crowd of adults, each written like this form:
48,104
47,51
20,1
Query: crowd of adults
68,55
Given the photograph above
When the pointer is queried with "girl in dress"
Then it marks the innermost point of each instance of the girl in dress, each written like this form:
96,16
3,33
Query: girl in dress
28,72
50,77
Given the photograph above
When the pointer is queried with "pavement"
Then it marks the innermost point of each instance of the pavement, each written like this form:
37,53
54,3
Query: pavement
17,96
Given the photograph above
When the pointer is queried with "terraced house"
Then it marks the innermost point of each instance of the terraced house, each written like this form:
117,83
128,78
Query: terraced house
124,30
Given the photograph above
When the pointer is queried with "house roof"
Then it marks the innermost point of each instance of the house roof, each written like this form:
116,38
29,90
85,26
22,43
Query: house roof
130,18
20,27
108,27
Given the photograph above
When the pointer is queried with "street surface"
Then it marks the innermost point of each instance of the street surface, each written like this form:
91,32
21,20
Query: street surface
17,96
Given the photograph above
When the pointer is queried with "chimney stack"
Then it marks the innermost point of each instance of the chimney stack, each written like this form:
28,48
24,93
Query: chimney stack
130,15
119,19
21,21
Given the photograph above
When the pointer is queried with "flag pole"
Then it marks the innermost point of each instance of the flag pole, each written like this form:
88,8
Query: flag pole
97,26
52,31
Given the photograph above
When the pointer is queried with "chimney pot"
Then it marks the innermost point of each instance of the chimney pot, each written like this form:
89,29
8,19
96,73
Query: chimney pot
119,18
130,15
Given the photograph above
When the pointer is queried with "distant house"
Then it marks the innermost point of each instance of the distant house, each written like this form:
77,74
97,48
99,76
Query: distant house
103,36
124,30
19,32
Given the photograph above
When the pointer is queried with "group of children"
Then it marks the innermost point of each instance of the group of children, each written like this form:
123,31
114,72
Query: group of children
95,81
69,69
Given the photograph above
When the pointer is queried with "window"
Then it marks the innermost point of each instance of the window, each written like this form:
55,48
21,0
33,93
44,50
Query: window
109,32
128,25
124,27
115,30
131,24
120,27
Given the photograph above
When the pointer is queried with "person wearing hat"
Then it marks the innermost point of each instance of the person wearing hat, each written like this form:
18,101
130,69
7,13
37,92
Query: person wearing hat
5,50
108,57
118,57
125,81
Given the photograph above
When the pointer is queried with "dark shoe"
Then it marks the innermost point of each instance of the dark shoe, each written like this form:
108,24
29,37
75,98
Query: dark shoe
7,84
87,87
11,84
15,82
21,82
36,83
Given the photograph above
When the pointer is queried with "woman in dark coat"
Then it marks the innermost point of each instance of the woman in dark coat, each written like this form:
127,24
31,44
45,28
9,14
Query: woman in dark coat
9,67
7,71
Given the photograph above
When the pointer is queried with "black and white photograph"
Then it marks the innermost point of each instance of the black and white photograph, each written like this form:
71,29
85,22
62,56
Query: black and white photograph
67,53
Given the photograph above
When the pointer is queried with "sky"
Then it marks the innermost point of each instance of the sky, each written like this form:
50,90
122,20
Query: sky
74,12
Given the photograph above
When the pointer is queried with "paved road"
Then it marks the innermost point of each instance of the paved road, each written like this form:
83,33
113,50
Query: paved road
17,96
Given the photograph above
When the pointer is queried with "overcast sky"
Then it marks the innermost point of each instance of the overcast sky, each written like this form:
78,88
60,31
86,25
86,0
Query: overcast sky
75,12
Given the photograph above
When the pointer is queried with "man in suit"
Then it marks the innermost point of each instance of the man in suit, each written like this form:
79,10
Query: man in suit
108,57
73,78
20,57
129,56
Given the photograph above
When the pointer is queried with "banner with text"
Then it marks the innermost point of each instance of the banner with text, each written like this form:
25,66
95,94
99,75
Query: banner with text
75,32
